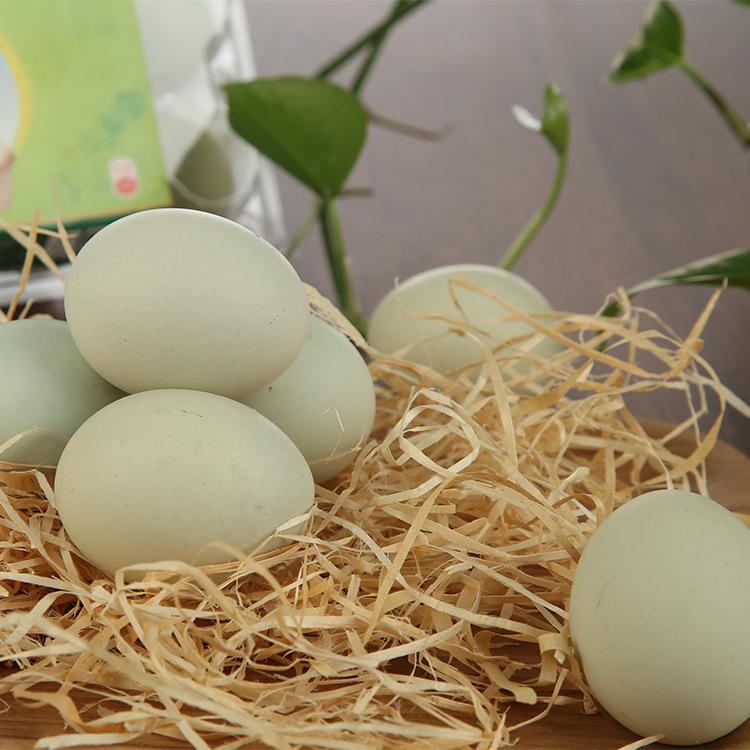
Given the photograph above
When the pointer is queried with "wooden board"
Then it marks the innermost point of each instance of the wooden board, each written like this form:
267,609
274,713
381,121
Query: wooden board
563,729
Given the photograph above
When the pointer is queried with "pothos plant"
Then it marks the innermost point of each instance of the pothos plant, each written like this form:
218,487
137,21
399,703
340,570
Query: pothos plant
658,46
315,130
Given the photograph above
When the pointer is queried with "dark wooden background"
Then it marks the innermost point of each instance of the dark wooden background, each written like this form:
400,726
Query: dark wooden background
655,177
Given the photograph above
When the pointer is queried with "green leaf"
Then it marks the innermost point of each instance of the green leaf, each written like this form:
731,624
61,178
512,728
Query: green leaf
657,46
311,128
556,120
555,123
732,267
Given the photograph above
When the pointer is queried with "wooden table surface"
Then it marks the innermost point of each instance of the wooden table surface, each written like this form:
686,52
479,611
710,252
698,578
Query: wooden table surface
655,178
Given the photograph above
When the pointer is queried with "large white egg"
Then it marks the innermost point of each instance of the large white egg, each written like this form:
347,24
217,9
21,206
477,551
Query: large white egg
179,298
164,474
397,323
45,386
325,401
659,617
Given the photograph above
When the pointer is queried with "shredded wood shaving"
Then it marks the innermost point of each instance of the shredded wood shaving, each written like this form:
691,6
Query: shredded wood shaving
427,593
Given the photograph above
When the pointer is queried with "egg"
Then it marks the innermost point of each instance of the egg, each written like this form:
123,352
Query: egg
180,298
45,386
325,401
205,177
166,474
397,325
659,614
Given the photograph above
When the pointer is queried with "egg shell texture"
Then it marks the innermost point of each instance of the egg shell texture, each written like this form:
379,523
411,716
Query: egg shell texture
161,474
659,615
179,298
46,386
325,401
396,325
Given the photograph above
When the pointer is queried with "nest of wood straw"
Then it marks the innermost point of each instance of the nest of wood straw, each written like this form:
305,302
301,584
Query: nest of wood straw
425,597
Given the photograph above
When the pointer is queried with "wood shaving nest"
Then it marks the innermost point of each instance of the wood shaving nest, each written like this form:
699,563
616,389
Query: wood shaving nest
427,594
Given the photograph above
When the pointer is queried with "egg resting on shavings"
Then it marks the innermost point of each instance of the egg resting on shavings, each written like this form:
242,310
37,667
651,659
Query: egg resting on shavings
426,595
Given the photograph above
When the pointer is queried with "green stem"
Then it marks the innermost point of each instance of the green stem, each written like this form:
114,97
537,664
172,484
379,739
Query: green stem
402,8
376,44
369,62
340,265
537,220
730,115
305,227
338,259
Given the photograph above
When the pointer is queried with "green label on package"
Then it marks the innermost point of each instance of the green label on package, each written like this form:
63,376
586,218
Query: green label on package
78,135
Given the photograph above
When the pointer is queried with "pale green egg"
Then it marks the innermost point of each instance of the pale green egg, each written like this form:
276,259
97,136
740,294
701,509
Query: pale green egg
46,387
325,401
167,474
415,318
179,298
659,612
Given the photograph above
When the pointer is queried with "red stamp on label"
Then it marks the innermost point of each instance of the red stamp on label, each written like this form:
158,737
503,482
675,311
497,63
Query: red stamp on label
123,176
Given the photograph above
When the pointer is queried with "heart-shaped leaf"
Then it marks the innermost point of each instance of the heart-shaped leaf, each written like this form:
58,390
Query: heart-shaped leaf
310,127
657,46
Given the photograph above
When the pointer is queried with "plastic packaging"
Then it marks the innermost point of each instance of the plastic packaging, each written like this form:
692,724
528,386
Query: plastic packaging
188,55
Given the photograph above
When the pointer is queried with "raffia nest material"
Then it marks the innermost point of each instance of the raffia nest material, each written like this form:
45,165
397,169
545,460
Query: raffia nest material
426,595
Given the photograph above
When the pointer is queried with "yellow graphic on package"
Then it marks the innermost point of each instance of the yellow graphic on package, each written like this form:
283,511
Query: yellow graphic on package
76,116
13,118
